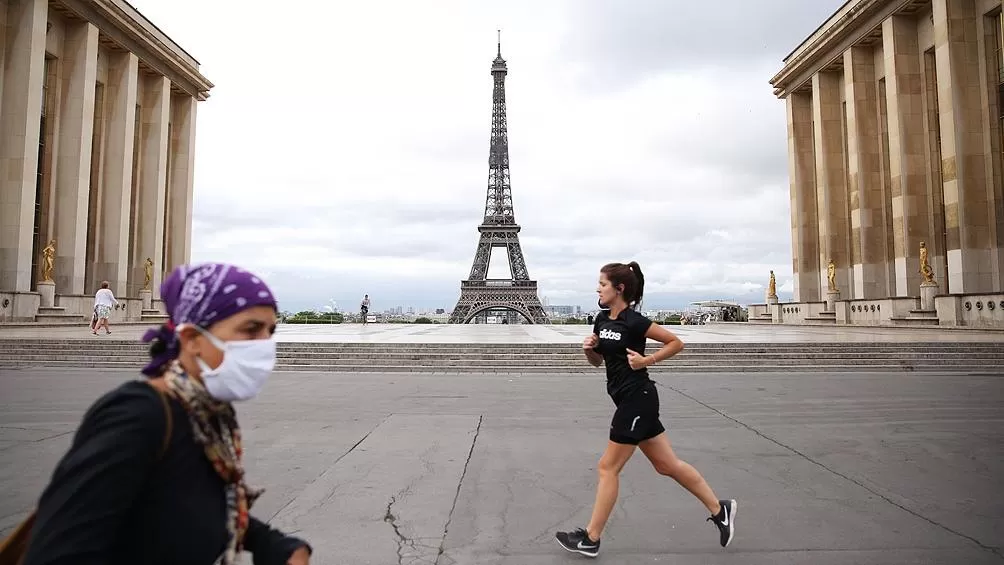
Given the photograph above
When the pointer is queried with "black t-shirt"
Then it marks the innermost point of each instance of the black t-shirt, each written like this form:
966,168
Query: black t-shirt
616,337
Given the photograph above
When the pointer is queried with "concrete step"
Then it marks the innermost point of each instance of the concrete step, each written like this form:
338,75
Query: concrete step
913,320
498,356
56,314
90,343
686,355
714,358
52,310
953,357
432,364
153,317
709,355
550,371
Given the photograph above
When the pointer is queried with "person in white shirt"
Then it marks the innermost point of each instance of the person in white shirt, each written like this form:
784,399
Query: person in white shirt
103,302
364,308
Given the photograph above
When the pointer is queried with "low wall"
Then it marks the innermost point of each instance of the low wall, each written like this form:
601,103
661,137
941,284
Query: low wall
755,310
874,312
796,312
23,307
19,306
971,310
127,310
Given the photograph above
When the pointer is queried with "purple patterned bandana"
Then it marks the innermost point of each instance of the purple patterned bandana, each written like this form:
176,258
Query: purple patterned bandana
201,295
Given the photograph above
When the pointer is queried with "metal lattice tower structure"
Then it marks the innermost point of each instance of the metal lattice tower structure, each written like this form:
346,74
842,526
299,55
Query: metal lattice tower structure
478,293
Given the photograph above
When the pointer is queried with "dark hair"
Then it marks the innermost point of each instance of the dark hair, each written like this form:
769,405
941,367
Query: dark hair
630,277
104,284
158,346
163,348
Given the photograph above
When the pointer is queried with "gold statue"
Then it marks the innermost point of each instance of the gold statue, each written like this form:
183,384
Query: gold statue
925,267
148,273
48,259
772,287
831,276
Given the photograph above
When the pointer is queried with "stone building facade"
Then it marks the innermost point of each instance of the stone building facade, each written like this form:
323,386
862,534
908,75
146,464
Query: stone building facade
97,144
895,111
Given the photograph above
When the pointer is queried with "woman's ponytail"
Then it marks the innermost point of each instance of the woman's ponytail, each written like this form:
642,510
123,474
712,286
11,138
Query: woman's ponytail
640,288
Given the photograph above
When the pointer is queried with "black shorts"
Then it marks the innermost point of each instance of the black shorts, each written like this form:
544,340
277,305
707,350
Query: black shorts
637,417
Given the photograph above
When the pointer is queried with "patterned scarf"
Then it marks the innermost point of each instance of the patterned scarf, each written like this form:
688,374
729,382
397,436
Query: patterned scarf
214,425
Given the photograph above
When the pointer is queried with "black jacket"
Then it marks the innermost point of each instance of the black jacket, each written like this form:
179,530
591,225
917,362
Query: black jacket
116,498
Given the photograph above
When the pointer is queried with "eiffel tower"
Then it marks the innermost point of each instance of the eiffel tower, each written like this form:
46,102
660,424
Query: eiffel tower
479,294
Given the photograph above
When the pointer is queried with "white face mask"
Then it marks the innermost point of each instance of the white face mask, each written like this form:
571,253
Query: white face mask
245,368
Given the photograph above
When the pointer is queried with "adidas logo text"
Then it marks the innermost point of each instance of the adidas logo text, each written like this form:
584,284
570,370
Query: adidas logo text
607,334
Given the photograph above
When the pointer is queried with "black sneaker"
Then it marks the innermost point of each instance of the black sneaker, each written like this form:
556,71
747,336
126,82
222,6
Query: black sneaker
726,520
578,542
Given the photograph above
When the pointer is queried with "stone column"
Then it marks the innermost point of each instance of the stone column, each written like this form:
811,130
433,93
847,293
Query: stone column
73,167
908,176
113,246
802,175
990,36
964,160
179,232
20,111
831,193
932,154
156,107
864,160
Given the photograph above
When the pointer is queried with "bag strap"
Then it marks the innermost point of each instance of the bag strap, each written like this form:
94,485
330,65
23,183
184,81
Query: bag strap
169,428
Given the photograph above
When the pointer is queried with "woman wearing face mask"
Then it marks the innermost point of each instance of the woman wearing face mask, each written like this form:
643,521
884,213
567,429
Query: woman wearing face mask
155,471
618,341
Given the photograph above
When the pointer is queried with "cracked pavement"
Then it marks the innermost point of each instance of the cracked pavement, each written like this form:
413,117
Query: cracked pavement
482,469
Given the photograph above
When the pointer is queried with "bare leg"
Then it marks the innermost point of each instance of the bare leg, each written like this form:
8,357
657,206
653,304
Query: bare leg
665,461
609,469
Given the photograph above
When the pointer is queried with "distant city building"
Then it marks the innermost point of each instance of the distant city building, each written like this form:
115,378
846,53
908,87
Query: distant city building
563,310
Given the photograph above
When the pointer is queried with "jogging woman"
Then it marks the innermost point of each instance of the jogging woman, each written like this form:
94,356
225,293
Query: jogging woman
618,341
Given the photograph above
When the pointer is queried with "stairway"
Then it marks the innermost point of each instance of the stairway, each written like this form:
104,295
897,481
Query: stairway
58,315
917,318
966,357
824,317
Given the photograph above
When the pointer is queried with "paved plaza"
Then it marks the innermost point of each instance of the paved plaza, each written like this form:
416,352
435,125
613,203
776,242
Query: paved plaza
482,469
493,333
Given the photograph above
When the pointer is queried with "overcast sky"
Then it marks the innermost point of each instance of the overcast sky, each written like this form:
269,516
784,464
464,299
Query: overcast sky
344,149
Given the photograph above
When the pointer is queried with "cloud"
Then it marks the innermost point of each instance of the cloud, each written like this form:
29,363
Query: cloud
345,151
618,43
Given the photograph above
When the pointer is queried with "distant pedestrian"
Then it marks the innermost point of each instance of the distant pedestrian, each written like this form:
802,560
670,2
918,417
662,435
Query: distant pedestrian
618,341
104,300
364,308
